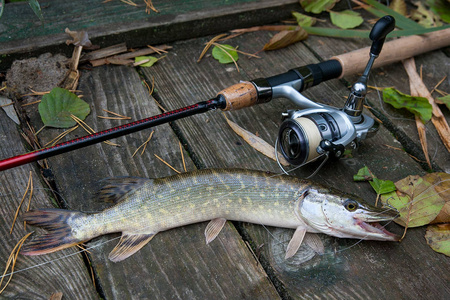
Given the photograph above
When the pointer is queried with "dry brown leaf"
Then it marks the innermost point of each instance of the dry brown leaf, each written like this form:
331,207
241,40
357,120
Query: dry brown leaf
438,119
257,143
399,6
441,182
285,38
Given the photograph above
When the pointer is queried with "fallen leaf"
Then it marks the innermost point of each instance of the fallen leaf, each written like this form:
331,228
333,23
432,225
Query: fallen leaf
225,54
438,238
416,200
34,4
57,107
425,17
285,38
417,105
441,8
304,20
444,100
151,60
346,19
317,6
257,143
7,106
382,186
399,6
441,183
364,174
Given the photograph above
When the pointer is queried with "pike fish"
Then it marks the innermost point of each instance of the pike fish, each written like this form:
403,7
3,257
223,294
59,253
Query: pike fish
145,207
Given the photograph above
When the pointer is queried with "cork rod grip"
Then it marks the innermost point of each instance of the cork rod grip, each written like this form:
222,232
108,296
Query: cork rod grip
354,62
240,95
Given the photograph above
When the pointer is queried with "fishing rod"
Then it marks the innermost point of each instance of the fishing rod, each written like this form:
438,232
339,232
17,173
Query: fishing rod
306,133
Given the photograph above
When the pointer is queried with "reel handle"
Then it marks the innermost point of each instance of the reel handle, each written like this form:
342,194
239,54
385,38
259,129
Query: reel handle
379,32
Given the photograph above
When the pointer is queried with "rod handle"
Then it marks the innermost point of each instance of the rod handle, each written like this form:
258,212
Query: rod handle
394,51
239,95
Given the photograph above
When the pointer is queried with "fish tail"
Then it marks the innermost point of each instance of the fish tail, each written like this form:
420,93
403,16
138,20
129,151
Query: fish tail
57,223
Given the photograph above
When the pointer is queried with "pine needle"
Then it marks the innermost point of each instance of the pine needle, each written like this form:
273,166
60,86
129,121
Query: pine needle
167,164
60,136
149,7
117,116
209,44
438,84
88,129
30,184
12,261
144,144
182,157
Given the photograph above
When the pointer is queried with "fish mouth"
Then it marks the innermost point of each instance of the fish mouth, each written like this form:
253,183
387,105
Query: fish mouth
369,223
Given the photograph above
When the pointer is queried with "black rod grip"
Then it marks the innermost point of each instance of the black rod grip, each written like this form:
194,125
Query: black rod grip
325,70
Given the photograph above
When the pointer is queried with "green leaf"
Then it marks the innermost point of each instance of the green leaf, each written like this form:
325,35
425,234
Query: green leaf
438,238
151,60
416,200
34,4
346,19
382,186
317,6
225,54
349,33
441,8
304,20
364,174
2,6
57,107
381,10
417,105
444,100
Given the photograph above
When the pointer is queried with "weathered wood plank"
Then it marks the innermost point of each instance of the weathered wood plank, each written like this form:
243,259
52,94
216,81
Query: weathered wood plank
114,22
176,264
349,269
46,275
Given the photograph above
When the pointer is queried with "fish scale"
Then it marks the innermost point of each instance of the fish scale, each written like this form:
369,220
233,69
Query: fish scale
148,206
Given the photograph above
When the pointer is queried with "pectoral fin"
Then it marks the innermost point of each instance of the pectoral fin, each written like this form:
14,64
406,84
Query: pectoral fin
213,229
295,242
128,245
315,243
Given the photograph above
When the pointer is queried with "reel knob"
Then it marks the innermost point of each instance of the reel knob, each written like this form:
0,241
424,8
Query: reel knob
379,32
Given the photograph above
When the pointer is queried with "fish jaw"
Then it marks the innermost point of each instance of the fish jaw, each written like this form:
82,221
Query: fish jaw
368,221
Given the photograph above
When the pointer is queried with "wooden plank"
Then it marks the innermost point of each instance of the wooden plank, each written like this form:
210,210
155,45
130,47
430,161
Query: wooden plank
349,269
116,22
40,277
177,263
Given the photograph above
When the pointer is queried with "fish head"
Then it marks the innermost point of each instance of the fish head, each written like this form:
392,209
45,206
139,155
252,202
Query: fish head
346,216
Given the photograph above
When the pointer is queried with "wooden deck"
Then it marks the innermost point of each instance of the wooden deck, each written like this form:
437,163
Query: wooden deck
246,261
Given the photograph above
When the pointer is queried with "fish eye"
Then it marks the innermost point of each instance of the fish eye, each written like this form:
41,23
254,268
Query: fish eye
351,205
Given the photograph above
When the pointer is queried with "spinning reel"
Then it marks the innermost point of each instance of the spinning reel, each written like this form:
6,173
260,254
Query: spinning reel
318,130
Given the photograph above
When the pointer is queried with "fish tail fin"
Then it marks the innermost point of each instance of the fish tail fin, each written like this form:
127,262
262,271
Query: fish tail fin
57,223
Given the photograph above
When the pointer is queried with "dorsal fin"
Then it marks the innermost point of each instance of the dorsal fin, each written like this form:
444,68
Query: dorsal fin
213,229
116,188
295,242
128,245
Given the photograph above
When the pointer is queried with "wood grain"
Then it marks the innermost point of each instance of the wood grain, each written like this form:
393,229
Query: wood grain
348,270
176,264
115,22
39,282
